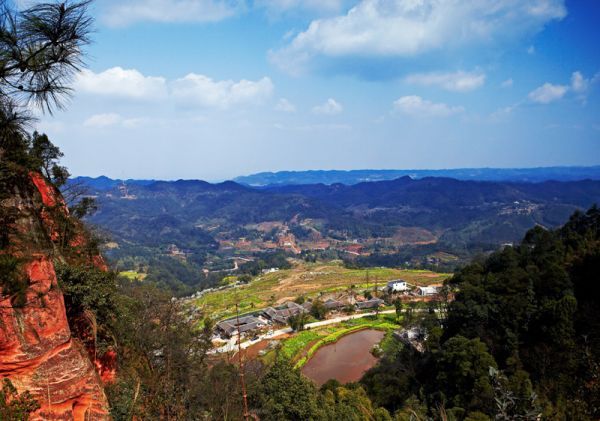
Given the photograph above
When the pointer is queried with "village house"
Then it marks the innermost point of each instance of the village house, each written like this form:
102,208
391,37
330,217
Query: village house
282,313
333,304
397,285
230,327
372,303
426,291
307,305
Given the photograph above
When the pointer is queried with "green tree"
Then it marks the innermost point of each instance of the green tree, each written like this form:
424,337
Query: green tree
45,156
463,374
163,356
398,307
298,321
15,406
284,394
41,50
92,304
349,403
318,309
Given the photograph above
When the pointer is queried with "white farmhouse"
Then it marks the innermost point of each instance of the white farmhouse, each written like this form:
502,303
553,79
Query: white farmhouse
397,285
426,291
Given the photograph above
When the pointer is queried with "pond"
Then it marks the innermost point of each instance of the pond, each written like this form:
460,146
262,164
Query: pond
346,360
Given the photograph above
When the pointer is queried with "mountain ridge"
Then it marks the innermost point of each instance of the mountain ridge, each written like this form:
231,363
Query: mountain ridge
558,173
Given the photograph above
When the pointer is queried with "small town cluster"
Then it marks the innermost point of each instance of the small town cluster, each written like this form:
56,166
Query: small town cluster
279,316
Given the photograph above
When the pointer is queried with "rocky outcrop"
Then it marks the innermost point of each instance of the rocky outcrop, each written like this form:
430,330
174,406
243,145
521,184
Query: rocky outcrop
38,352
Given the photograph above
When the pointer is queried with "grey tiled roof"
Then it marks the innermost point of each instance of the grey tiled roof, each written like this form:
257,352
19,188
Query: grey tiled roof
246,323
333,304
375,302
282,313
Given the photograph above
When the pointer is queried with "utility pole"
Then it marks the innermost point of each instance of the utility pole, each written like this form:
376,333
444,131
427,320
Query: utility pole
241,361
375,295
375,290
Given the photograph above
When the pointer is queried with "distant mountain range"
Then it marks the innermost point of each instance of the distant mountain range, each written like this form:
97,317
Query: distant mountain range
105,183
478,174
445,214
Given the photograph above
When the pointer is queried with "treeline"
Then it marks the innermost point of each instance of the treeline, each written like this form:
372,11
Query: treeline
521,340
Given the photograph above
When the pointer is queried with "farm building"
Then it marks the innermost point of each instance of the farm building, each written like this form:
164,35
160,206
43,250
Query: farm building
282,313
397,285
229,327
333,304
372,303
427,291
307,305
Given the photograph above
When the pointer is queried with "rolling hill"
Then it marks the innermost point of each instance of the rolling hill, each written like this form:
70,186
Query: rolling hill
192,225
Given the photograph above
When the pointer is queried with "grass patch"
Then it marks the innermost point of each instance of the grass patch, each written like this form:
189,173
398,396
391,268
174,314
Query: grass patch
132,275
292,346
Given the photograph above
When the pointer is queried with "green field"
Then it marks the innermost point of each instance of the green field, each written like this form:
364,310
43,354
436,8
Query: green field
309,280
133,275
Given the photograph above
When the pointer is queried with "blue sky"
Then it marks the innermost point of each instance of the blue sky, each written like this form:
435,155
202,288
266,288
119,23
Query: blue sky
211,89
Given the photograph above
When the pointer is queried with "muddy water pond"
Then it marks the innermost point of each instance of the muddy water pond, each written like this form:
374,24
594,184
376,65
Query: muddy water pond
346,360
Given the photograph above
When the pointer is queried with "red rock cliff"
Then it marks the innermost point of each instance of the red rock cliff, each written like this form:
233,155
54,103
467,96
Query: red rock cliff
37,350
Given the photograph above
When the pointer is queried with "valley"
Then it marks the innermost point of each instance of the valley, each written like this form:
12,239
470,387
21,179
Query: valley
188,235
319,285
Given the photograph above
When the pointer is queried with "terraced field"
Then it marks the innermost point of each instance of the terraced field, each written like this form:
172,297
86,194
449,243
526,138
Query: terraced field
309,280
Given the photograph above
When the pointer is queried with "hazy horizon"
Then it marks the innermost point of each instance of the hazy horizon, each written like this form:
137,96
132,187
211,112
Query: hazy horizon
233,178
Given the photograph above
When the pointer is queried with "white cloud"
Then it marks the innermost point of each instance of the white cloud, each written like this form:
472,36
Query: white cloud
508,83
416,106
330,107
122,83
457,81
548,93
407,28
126,12
191,90
531,50
285,106
200,90
504,112
579,84
100,121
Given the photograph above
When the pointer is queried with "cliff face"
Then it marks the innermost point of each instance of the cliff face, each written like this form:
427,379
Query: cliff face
38,352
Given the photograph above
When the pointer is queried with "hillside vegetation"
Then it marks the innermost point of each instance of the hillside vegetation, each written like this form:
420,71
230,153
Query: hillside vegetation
522,338
432,223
